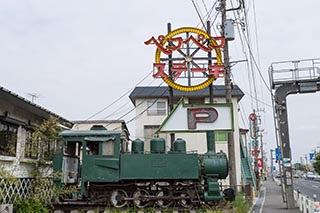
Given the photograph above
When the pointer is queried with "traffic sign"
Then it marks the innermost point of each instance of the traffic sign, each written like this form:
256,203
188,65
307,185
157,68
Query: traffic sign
312,156
278,154
253,153
260,162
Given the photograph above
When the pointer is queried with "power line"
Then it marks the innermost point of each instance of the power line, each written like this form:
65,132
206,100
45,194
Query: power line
205,6
148,106
100,111
253,58
255,98
247,39
138,106
242,116
125,104
249,65
198,13
209,13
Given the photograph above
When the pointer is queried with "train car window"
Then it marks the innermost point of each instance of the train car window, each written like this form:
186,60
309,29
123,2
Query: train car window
108,148
70,148
73,148
93,147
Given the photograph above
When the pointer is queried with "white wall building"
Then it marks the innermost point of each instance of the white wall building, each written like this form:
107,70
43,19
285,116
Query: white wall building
18,117
152,107
112,125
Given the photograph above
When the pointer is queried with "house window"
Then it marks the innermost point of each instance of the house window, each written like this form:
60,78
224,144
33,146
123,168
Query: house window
196,101
8,139
156,108
220,136
46,149
31,148
149,133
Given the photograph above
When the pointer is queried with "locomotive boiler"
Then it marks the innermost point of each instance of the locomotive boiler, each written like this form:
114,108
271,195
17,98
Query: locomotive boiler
98,163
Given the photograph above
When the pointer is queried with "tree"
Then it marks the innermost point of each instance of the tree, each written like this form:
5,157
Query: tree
45,137
44,140
299,166
316,165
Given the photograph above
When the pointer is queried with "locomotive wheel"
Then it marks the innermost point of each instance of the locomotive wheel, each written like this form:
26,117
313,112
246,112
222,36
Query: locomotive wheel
117,198
185,200
141,198
163,203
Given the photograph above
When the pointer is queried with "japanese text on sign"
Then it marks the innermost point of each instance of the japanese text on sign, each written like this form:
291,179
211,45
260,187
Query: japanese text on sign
176,43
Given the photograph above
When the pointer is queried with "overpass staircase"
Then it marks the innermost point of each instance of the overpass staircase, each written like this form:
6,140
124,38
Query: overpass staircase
247,172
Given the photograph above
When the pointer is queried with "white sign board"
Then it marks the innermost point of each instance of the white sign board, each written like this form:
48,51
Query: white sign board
198,118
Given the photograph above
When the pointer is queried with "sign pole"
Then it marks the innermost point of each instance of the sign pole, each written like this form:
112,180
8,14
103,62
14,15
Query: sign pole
172,135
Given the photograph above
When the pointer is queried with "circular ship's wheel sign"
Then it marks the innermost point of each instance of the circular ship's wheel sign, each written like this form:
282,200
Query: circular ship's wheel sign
185,51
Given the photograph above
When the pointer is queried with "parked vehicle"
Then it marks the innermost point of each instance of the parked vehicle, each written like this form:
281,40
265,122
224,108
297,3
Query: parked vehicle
310,175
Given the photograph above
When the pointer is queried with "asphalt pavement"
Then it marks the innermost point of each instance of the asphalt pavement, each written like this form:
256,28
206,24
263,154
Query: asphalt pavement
270,199
310,188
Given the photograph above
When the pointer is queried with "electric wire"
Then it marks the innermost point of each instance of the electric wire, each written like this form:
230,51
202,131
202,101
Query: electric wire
199,15
125,104
208,15
129,121
253,97
248,42
254,60
242,116
103,109
205,6
245,54
136,107
250,93
257,43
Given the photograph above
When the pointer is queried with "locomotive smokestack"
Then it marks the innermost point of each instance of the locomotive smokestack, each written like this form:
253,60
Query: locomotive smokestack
211,146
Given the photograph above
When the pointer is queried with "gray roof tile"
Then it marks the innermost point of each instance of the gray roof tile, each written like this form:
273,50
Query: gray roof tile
155,92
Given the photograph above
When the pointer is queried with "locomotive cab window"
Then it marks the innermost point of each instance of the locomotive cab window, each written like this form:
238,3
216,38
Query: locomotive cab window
108,148
92,148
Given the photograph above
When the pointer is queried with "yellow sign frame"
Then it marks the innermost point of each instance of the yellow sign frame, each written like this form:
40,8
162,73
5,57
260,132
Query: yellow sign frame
202,85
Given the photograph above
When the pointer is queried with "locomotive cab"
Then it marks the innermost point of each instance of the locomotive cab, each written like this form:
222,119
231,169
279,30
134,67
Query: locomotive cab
89,157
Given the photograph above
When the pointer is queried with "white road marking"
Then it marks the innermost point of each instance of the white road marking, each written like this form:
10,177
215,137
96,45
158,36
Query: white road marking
264,198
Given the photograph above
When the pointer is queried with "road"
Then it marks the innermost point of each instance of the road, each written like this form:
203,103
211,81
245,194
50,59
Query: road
307,187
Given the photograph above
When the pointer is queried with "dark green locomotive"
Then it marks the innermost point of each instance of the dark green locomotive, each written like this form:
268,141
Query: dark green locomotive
99,163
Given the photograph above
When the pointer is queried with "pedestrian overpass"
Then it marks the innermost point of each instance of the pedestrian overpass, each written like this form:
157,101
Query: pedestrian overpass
286,78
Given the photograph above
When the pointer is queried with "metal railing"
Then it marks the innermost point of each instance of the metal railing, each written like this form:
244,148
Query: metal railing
291,71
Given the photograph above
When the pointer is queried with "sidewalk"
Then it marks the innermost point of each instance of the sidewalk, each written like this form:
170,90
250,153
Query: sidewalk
270,199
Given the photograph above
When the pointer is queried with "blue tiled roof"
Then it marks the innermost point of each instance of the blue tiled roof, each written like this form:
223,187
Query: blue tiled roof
155,92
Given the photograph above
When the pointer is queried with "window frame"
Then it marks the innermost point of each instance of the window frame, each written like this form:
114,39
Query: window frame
9,137
153,108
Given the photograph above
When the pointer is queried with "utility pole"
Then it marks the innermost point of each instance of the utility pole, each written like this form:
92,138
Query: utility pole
254,137
227,77
260,135
271,159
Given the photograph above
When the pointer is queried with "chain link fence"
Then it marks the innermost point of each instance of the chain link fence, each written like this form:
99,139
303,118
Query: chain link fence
10,191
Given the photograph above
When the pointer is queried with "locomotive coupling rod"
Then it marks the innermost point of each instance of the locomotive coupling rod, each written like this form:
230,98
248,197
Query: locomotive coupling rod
155,198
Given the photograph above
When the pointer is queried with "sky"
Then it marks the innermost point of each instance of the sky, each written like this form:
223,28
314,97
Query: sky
79,56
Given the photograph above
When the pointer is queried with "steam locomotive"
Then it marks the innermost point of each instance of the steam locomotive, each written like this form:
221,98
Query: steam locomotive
98,163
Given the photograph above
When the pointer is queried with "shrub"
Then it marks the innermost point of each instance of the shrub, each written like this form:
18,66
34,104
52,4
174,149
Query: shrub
241,204
30,205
